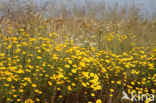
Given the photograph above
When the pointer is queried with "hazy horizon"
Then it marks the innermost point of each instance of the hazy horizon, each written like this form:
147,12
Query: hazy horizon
147,7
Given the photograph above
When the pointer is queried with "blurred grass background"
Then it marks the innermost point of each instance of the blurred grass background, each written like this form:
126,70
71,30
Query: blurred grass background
117,28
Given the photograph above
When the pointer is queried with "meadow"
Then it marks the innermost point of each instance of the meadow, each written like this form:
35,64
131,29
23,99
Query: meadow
75,57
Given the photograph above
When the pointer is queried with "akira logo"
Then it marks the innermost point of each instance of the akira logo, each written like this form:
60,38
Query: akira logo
138,97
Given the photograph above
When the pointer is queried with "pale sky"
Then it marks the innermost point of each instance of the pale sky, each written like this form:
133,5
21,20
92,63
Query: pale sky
146,6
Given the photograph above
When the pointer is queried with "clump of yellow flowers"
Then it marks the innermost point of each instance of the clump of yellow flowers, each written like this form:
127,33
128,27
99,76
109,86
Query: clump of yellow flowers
36,69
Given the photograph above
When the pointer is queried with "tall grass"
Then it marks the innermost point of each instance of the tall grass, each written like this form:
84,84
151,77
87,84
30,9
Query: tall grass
94,19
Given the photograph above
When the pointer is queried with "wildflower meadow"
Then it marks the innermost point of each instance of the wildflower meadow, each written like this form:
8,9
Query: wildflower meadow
76,60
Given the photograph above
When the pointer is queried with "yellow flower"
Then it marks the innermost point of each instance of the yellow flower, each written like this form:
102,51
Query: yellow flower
73,71
18,100
8,99
38,57
84,84
58,89
34,85
54,57
37,99
132,83
91,74
21,29
112,82
21,90
2,54
118,82
29,101
92,94
110,95
6,85
82,64
9,79
69,88
39,51
98,87
73,84
112,90
98,101
37,91
50,83
60,96
14,95
70,61
67,66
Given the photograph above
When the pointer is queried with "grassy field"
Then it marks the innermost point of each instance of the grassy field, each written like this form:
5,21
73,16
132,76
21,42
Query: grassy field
75,57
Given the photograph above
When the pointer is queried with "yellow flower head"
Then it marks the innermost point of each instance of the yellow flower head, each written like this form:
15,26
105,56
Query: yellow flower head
29,101
98,101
